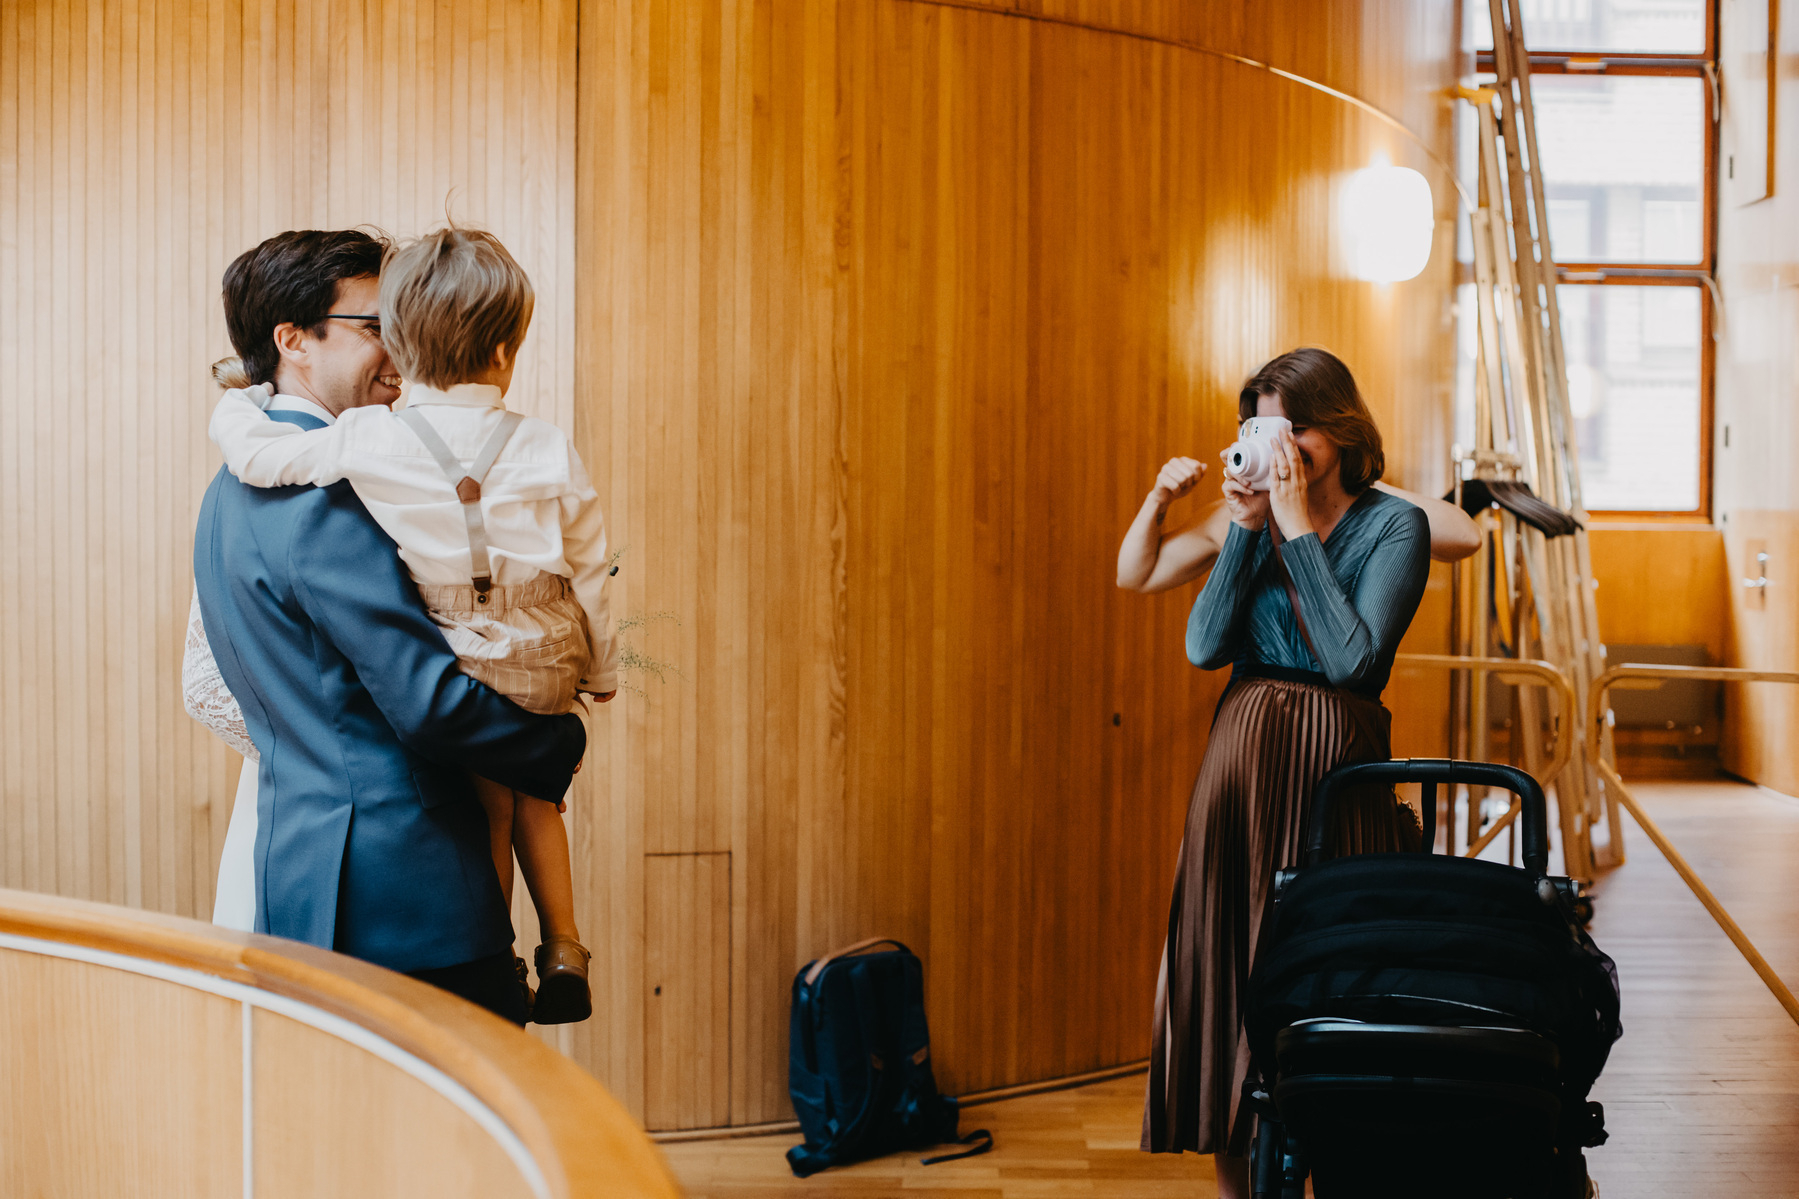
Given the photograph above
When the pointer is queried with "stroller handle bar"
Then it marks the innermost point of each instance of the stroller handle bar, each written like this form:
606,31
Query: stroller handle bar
1534,813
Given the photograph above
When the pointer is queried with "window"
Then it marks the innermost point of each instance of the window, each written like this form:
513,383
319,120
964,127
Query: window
1603,26
1625,127
1634,383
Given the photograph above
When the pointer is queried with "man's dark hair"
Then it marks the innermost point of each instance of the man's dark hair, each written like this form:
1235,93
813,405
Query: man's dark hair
291,278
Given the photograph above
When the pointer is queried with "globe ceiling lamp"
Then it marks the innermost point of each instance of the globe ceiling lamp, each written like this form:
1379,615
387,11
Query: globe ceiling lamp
1389,222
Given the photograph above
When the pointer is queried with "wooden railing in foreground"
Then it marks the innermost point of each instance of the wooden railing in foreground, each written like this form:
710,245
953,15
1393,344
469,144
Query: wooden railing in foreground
1515,671
149,1055
1633,676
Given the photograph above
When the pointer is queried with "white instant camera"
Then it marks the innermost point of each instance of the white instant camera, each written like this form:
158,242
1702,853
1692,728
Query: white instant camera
1250,458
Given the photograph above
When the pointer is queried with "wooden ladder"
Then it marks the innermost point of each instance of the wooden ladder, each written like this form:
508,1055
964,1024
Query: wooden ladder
1525,594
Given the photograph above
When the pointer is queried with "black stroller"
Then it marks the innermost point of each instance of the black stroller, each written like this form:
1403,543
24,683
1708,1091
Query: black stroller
1424,1025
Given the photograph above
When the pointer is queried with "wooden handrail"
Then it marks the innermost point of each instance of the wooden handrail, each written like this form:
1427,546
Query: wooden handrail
582,1139
1642,676
1731,928
1515,671
1639,676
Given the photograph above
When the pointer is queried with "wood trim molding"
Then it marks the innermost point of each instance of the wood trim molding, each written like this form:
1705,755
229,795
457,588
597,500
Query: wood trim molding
1146,35
582,1140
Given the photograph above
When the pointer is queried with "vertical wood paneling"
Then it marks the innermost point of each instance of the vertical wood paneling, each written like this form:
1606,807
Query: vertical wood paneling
1662,585
707,186
890,311
687,990
117,1084
144,148
1041,201
333,1119
873,322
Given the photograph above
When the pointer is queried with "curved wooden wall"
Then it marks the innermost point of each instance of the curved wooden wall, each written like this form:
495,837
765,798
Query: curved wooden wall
150,1055
142,148
888,313
874,316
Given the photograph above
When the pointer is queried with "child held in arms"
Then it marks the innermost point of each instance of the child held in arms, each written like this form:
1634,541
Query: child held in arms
495,519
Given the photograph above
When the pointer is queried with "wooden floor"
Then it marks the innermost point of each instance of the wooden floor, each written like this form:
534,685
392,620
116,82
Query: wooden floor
1701,1095
1075,1142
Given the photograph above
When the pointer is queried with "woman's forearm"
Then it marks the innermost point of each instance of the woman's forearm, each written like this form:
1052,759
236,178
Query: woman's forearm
1153,560
1142,544
1212,625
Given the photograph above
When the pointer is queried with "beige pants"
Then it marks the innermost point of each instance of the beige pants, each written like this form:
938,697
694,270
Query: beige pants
527,641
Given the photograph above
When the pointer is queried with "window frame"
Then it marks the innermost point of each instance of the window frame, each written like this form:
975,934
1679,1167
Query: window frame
1704,67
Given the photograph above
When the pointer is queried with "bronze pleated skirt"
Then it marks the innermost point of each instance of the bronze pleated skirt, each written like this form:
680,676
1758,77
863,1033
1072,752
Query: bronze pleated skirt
1272,740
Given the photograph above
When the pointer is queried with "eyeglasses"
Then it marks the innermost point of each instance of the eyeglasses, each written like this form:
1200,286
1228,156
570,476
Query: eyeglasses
371,322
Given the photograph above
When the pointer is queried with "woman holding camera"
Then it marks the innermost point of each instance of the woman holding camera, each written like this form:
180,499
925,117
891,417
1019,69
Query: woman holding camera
1314,582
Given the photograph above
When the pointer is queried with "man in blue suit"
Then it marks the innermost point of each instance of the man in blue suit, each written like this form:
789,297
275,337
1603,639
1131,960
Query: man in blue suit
370,840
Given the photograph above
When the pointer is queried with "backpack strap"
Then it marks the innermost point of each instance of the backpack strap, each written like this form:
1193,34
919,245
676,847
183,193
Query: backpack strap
817,968
468,485
979,1134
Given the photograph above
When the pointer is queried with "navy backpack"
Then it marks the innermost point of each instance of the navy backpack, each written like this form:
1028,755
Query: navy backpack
859,1062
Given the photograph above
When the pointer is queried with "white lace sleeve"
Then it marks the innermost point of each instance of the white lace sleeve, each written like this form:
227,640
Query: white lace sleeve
203,691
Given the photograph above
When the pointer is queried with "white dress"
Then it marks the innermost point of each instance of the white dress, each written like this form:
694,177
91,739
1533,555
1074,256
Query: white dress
210,702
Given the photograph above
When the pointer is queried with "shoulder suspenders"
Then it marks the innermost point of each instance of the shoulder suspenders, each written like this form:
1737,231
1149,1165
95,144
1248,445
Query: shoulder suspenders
468,484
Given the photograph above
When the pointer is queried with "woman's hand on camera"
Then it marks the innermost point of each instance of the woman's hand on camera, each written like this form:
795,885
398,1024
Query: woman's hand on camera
1247,508
1287,499
1177,478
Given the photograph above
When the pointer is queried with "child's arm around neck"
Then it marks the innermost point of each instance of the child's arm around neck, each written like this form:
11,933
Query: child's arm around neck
272,453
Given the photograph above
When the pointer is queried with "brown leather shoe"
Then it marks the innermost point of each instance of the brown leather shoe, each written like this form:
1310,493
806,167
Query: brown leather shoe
562,993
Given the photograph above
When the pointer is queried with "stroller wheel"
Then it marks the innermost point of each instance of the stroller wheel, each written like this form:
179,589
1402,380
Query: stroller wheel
1277,1170
1569,1177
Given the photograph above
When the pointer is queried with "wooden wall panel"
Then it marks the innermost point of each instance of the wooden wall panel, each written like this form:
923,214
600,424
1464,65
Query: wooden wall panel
333,1119
1661,585
1019,337
84,1049
142,147
687,990
706,258
873,321
896,308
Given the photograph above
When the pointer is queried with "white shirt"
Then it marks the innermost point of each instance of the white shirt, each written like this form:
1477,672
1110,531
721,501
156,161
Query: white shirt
287,403
541,512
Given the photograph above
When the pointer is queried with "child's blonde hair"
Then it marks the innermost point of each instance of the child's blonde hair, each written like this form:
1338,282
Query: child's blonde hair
449,299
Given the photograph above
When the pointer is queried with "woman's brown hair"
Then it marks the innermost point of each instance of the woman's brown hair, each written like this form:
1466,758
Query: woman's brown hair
1317,392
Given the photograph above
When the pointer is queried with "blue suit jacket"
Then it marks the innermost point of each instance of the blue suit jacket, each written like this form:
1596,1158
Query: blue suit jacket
369,838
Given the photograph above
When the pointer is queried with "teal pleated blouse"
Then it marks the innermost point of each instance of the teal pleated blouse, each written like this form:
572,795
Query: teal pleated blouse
1359,592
